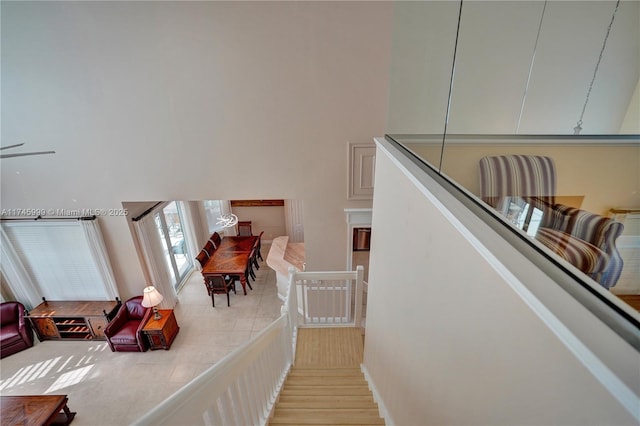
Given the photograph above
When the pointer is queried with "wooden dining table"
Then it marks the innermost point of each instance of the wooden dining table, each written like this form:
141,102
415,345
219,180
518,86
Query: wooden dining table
231,258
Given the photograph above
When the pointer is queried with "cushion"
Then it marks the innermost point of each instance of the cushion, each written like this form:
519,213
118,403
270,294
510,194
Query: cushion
127,334
583,255
594,228
135,309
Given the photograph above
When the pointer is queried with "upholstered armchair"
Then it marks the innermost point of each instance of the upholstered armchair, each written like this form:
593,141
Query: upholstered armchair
124,332
16,333
506,178
584,239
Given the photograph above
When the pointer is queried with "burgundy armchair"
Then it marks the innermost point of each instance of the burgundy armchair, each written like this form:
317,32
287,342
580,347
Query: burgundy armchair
16,333
124,332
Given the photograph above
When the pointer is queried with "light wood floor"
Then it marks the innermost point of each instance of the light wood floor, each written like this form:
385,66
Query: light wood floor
329,348
632,300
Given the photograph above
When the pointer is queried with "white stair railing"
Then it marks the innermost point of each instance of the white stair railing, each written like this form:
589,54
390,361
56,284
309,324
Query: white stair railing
238,390
329,299
242,388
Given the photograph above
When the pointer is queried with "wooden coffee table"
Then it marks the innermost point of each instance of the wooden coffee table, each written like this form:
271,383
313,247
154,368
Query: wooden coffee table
35,410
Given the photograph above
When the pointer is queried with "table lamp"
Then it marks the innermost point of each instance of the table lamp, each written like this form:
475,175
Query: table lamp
151,299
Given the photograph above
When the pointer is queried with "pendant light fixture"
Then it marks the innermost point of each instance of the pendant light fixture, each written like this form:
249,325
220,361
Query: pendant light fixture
227,220
578,128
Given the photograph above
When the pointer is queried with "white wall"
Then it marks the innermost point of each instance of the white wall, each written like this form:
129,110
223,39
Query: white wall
496,45
191,100
423,43
455,334
199,100
270,220
631,123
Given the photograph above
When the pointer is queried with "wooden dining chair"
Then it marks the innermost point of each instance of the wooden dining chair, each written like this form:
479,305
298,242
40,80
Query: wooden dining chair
209,247
250,263
219,284
259,254
202,257
254,254
216,239
244,228
248,273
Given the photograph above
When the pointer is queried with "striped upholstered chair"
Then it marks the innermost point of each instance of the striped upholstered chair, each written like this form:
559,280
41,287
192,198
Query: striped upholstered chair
508,178
584,239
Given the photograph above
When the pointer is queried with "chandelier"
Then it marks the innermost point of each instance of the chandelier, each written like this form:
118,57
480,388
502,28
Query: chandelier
227,220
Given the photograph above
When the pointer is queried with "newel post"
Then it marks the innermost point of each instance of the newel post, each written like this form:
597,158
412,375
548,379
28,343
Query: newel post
359,294
291,307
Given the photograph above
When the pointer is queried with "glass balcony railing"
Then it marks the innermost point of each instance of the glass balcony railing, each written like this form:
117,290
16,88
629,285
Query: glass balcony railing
574,197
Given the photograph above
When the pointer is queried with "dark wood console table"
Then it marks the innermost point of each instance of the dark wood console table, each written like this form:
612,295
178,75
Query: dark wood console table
72,320
35,410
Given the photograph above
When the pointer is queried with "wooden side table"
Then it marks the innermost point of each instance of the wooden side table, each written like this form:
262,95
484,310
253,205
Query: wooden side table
160,333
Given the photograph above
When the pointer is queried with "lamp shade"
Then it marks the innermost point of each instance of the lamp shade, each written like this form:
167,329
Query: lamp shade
151,297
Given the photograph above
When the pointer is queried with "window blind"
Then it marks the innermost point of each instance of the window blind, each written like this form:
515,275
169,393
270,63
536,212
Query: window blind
58,259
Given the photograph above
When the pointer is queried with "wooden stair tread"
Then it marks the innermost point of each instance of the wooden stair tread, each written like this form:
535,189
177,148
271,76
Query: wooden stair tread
345,371
328,381
326,398
320,422
329,405
340,412
326,416
327,390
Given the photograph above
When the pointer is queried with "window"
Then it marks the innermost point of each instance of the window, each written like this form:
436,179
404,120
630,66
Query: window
215,209
59,260
169,222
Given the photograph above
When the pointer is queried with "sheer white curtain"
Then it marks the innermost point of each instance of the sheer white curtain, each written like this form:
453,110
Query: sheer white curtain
225,208
191,226
152,252
98,251
24,289
213,210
